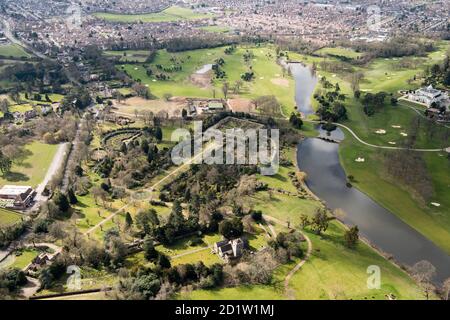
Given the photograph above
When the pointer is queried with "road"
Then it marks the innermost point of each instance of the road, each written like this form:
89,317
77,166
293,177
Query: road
57,161
8,34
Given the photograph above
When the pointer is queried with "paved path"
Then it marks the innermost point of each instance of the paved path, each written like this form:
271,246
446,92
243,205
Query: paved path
374,145
57,161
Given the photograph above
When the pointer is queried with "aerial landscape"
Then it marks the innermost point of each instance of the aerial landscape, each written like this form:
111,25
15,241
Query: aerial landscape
224,150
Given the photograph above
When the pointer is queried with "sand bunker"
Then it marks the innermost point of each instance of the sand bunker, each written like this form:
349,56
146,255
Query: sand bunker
241,105
280,82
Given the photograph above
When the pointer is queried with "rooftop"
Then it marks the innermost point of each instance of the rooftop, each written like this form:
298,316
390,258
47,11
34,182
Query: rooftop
9,190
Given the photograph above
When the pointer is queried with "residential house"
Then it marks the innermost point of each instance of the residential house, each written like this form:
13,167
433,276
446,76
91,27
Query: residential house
229,249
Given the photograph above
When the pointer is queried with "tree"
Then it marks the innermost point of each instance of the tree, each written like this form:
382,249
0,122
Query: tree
72,198
296,121
304,220
163,261
231,229
158,134
225,88
150,253
5,164
62,202
128,220
351,237
423,272
320,221
184,114
147,285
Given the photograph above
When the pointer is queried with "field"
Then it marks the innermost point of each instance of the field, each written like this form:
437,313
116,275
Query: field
130,55
32,169
339,51
19,260
269,76
173,13
8,218
13,51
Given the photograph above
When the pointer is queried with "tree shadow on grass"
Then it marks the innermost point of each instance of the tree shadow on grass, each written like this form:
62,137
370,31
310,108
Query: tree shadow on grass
15,177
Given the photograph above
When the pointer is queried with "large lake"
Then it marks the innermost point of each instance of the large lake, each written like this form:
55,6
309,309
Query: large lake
327,179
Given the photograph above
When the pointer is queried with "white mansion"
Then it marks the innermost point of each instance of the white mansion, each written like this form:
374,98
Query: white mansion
428,96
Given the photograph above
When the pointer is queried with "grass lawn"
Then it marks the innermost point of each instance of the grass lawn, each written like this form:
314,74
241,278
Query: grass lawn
216,29
13,51
431,221
32,170
339,51
24,259
173,13
130,55
269,78
333,272
8,218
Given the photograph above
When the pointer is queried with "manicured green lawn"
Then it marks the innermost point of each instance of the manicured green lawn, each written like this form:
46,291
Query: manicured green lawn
269,78
431,221
13,50
333,272
174,13
8,218
216,29
32,170
339,51
24,259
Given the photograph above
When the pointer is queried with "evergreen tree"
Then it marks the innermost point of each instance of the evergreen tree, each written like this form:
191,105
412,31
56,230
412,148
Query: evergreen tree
72,197
351,237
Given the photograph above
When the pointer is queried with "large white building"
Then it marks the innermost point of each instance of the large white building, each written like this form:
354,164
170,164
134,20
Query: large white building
428,96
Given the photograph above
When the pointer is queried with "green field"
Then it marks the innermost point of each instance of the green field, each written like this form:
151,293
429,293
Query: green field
173,13
431,221
8,218
130,55
32,169
339,51
333,272
216,29
13,51
263,64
